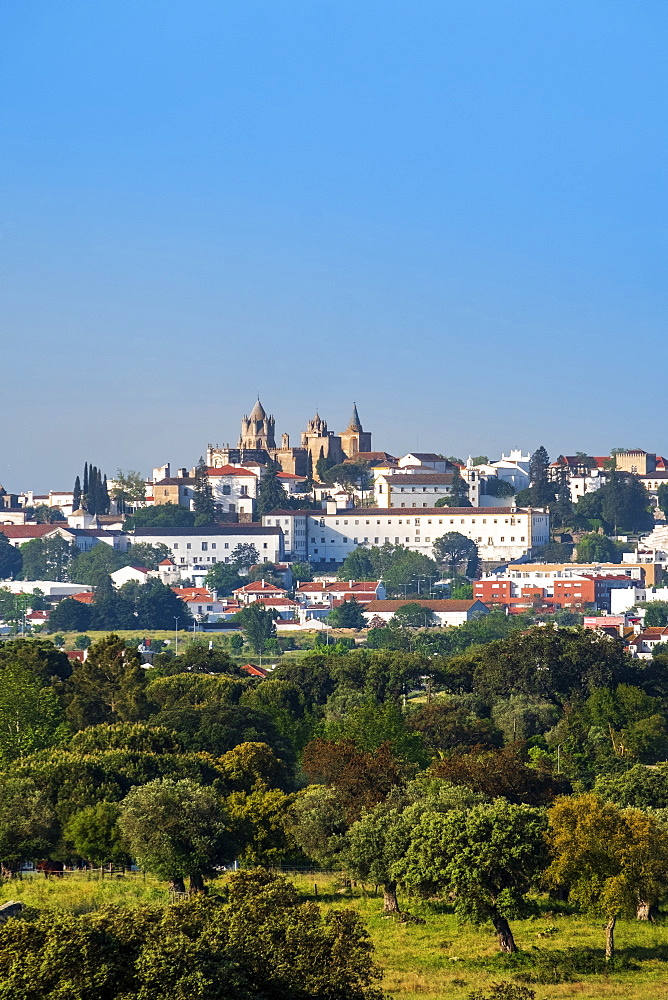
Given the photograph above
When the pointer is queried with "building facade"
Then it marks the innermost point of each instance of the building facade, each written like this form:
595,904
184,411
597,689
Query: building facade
200,548
501,534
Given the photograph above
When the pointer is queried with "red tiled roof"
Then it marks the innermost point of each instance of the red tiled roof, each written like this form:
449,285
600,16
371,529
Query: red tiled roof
167,562
259,587
230,470
289,475
31,530
437,605
254,671
85,597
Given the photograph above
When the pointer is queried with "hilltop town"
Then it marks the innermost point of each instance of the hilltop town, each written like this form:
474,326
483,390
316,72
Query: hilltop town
571,538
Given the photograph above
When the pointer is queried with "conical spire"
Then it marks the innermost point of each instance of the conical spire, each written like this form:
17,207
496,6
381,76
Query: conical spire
257,413
355,422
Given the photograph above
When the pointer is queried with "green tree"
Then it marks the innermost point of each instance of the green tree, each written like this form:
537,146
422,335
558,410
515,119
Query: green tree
302,572
145,554
350,476
258,626
28,826
597,548
257,823
495,487
175,829
94,834
662,497
459,492
612,860
43,514
70,616
271,494
656,613
129,488
107,687
47,558
165,515
244,555
38,656
76,495
203,502
223,578
349,614
11,559
488,856
316,823
413,616
101,560
323,465
454,548
82,642
357,566
554,552
31,716
641,786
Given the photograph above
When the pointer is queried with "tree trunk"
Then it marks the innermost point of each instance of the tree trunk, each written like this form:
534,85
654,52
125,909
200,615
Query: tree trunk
645,911
504,934
197,882
390,903
177,884
610,939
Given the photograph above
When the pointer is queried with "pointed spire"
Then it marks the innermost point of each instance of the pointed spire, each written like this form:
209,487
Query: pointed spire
355,422
258,413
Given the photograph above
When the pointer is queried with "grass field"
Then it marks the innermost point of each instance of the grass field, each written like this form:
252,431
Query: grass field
438,959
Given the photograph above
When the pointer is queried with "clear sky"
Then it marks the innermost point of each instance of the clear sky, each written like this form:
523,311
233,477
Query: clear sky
451,211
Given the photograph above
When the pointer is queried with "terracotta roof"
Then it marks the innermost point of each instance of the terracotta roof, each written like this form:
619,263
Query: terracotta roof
229,470
33,530
259,587
289,475
167,562
192,593
85,597
250,668
443,605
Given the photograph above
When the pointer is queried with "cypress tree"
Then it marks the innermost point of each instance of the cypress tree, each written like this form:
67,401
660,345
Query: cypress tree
91,499
203,501
106,502
76,497
85,480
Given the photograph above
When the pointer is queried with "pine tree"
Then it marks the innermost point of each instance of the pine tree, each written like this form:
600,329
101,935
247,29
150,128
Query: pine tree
270,494
76,496
542,492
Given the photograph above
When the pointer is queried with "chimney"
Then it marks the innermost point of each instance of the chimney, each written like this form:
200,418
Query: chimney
331,507
350,583
263,583
181,473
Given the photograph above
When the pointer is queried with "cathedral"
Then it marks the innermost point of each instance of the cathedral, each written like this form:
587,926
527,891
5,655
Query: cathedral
257,443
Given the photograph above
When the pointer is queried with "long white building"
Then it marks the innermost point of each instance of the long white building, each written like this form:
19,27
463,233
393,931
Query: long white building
202,547
501,533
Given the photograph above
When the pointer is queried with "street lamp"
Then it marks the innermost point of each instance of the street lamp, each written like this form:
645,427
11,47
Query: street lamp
176,634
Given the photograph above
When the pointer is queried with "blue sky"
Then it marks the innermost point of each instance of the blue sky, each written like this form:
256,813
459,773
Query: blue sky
452,212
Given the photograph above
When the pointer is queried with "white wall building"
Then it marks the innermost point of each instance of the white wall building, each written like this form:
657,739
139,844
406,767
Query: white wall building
234,488
501,534
445,612
193,548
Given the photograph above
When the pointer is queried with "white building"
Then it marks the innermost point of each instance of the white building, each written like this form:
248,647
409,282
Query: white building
446,612
501,534
198,548
131,574
234,488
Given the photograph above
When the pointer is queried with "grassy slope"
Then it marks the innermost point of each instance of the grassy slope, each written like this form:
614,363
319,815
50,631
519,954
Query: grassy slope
437,960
